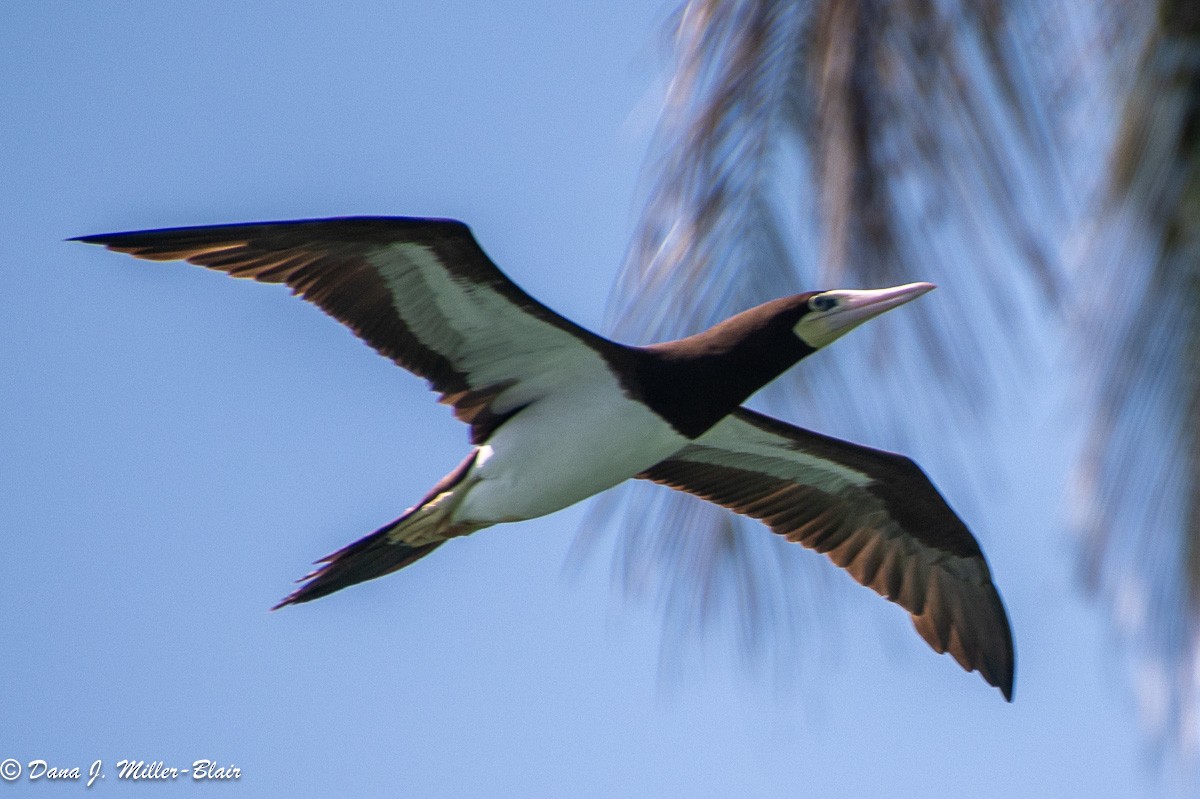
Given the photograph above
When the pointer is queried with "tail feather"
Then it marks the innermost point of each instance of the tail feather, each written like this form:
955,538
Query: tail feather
369,557
422,529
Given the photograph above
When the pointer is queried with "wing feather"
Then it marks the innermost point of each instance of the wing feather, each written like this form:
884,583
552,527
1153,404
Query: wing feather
873,513
419,291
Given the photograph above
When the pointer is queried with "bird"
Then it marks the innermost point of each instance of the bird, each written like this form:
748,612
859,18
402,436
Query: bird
558,413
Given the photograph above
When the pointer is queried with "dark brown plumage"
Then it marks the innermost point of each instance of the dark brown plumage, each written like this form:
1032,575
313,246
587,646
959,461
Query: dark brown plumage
892,531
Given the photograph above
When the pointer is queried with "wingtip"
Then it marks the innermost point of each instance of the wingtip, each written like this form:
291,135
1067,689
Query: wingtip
1000,673
1008,680
1003,678
108,240
1007,684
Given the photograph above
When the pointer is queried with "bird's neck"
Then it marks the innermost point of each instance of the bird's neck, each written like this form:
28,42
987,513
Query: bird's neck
695,382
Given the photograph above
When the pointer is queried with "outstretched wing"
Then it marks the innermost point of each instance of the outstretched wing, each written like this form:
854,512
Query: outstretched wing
420,291
873,513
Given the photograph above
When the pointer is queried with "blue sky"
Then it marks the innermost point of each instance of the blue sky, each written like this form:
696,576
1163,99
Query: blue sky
176,447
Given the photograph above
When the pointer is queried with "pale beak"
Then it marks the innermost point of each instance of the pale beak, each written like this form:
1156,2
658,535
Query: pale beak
819,328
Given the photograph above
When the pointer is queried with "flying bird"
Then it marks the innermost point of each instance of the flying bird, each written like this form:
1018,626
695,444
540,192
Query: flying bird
558,413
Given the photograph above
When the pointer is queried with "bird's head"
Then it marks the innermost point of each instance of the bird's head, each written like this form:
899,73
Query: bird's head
828,315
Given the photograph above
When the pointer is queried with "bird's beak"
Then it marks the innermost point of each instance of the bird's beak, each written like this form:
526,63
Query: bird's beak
853,307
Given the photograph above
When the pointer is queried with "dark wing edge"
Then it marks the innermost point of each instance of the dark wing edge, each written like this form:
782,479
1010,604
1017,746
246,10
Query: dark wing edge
893,532
328,262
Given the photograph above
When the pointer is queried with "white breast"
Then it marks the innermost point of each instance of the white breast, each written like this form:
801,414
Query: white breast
562,449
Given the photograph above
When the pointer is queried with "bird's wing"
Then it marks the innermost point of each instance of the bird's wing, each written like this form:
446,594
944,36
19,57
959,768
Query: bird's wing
420,291
873,513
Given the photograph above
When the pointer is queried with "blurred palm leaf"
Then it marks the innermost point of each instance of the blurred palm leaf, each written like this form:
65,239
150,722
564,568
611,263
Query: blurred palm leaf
1035,158
837,143
1139,287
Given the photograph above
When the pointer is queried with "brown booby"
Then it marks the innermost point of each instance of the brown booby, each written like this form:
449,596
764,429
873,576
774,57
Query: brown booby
558,413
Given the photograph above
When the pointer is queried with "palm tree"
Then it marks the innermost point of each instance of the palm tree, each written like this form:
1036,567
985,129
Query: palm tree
1036,158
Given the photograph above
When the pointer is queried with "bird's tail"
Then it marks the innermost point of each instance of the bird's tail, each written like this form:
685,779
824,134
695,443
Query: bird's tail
421,529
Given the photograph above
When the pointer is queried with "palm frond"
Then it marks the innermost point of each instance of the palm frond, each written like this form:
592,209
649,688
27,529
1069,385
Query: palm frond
841,143
1139,502
860,142
710,241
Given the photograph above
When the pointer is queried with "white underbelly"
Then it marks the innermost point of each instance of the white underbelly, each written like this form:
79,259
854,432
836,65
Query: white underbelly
561,450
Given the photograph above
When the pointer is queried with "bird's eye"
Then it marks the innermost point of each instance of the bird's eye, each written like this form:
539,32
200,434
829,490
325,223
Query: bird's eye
822,302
